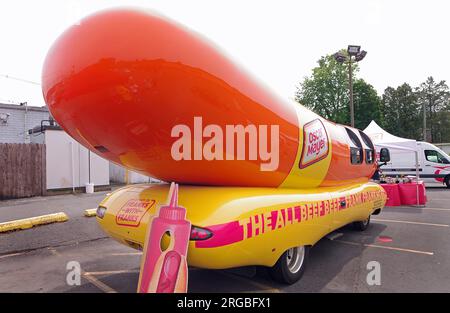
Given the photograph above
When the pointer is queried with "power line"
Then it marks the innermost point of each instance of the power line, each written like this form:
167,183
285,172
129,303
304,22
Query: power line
20,79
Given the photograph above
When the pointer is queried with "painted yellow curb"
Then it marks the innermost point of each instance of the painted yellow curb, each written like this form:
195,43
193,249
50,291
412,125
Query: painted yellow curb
33,221
90,212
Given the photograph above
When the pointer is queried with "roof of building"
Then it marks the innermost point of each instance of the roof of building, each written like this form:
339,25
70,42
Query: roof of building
22,107
43,128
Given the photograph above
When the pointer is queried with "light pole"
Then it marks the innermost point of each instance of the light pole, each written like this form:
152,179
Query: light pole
350,88
355,54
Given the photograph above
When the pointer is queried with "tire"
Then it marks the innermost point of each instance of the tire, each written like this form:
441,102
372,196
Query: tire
447,181
361,225
290,266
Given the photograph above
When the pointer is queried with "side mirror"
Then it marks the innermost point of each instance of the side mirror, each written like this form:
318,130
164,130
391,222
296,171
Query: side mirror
385,156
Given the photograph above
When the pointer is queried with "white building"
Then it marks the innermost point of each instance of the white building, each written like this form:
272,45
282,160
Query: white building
120,175
69,165
16,120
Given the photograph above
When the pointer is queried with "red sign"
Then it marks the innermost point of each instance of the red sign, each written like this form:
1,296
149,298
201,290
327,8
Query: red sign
132,212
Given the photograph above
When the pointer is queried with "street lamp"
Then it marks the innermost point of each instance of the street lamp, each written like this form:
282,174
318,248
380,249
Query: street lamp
353,53
353,50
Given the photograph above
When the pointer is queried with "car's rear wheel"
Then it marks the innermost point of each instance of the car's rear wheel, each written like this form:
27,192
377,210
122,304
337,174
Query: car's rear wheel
362,225
291,265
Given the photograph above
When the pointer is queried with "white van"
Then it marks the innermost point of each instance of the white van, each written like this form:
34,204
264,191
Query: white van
434,164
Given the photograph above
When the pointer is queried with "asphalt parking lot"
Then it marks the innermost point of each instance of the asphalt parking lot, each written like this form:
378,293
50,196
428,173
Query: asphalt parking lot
411,245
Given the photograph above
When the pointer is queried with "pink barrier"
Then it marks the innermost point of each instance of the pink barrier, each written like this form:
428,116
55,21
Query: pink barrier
405,194
393,194
408,193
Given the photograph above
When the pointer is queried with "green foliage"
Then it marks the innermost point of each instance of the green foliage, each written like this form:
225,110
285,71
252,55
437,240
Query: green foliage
367,104
435,97
326,91
401,112
441,131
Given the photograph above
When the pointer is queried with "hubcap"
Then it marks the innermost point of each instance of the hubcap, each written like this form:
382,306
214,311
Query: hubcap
295,257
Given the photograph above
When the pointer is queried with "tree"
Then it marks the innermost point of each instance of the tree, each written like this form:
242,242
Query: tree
367,104
442,129
401,111
326,90
435,97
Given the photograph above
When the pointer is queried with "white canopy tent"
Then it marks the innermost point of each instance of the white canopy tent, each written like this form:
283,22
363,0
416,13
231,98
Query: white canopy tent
380,136
383,139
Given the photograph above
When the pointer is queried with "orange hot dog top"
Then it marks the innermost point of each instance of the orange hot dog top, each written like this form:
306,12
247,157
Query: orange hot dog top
148,94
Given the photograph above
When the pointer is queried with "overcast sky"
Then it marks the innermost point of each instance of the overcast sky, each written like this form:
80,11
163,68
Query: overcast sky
278,41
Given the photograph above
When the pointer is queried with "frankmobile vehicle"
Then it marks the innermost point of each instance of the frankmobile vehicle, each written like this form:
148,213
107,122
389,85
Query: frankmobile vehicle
262,179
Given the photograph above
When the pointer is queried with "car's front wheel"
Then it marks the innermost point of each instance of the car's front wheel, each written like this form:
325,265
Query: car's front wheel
291,265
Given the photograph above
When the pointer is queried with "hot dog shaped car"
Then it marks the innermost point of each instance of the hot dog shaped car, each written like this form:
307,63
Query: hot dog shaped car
262,178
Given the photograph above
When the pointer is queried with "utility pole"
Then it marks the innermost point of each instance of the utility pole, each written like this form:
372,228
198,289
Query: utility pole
25,122
424,121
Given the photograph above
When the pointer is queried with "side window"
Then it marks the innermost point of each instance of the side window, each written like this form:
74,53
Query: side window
356,149
435,157
355,155
431,156
369,150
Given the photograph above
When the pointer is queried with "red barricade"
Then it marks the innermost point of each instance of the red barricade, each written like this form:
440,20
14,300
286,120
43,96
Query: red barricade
405,194
393,194
408,193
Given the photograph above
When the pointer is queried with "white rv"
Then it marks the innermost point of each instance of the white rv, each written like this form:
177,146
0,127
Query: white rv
433,164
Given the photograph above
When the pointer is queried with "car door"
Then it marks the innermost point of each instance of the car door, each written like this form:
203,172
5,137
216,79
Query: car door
436,165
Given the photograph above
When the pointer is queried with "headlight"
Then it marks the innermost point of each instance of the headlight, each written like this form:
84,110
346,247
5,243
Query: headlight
101,210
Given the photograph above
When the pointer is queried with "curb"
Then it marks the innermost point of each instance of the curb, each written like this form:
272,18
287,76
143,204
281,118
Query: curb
33,221
90,212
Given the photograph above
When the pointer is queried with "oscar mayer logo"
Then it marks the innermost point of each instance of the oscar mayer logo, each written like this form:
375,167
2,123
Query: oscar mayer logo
315,143
132,212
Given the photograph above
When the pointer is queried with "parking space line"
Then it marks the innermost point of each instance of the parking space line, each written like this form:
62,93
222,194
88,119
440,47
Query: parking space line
125,253
439,199
97,283
384,247
435,209
54,252
334,235
111,272
264,287
410,222
424,209
11,255
88,275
